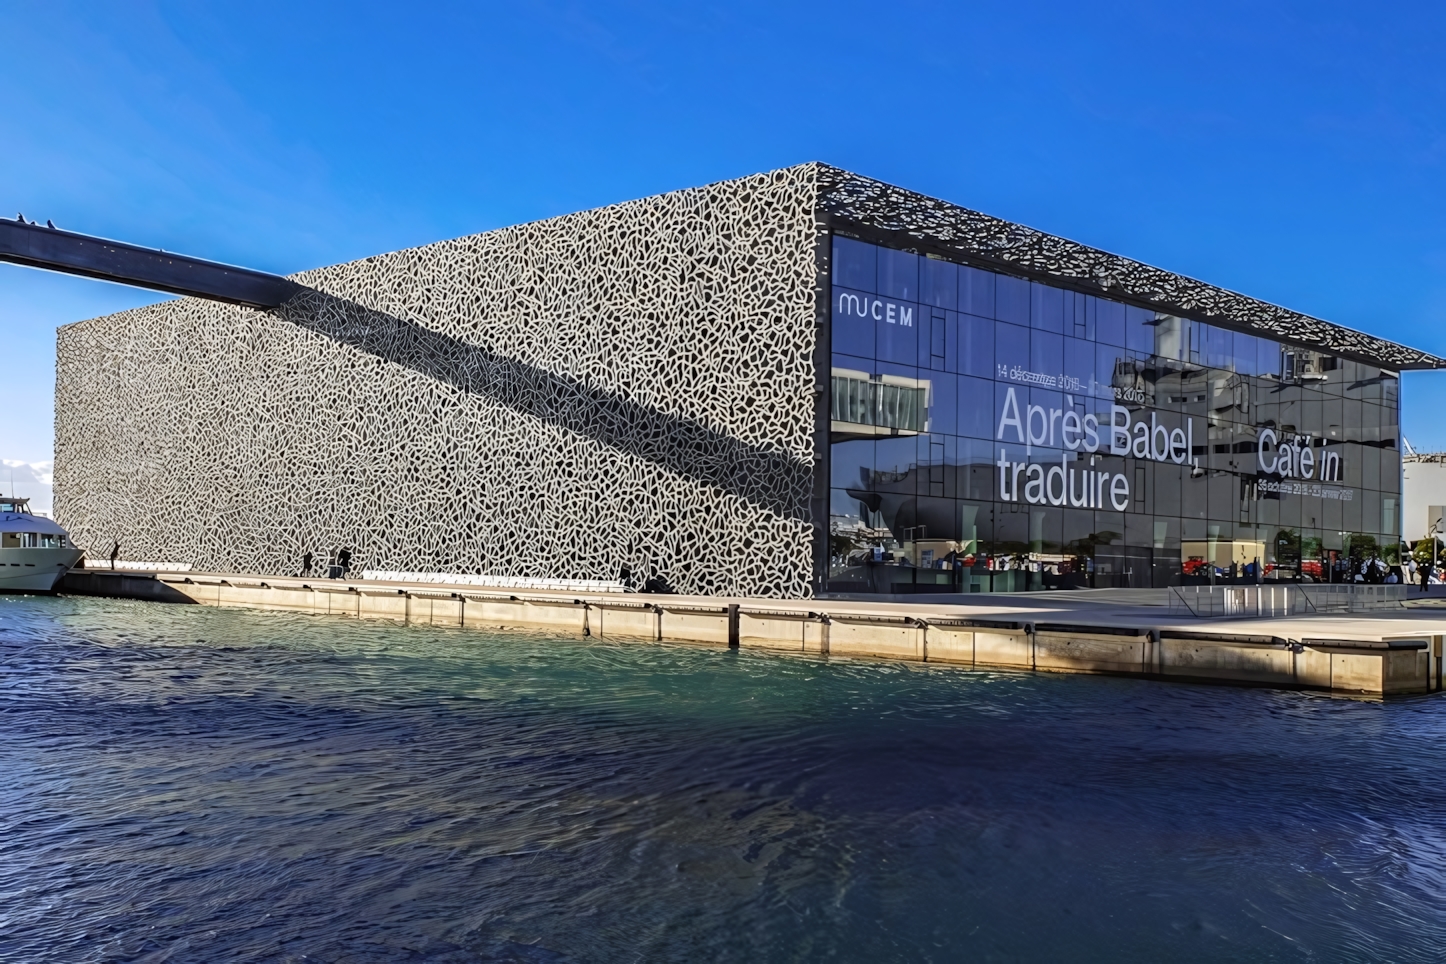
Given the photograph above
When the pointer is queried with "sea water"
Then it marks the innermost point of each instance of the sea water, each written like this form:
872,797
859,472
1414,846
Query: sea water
180,783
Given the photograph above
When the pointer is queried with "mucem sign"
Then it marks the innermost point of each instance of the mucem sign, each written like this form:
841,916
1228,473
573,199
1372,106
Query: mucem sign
794,383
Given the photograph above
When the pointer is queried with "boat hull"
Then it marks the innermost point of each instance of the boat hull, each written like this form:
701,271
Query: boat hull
35,570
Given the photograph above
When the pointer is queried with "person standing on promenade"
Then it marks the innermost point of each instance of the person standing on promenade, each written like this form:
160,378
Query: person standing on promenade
114,553
305,564
343,559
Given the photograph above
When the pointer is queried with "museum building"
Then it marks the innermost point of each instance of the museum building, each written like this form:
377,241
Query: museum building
797,383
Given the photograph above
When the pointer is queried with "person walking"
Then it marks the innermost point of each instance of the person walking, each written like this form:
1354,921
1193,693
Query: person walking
114,553
305,564
343,560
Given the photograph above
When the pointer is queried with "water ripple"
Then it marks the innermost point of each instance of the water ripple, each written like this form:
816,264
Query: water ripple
191,784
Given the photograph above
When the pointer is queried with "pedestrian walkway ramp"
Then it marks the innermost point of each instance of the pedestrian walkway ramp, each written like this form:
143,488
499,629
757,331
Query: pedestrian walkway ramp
1266,601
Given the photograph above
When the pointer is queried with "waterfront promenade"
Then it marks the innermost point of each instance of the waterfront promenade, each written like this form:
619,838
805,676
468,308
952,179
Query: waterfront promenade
1387,652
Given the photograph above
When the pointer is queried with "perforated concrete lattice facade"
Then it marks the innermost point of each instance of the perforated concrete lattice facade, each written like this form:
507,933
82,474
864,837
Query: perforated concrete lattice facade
607,395
627,388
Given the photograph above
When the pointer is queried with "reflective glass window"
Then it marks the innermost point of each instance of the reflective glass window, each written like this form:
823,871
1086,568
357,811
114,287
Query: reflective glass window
1247,354
976,346
933,337
1175,339
1370,457
1390,430
1370,514
1011,348
978,480
976,407
1390,388
1390,470
1078,527
1107,361
1013,407
1219,347
895,460
1312,421
976,292
1046,529
898,274
939,283
853,328
1078,366
896,331
855,264
1109,322
1332,518
1268,358
851,462
1351,515
1047,308
943,406
1046,353
1042,421
918,397
854,364
1011,299
1011,529
1140,330
846,510
1331,381
1079,316
1168,488
1353,417
1368,379
1373,420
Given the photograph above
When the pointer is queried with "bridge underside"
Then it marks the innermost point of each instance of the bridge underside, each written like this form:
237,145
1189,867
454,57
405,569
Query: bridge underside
70,253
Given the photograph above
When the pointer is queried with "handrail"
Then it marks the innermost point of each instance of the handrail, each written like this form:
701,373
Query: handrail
1185,602
1273,600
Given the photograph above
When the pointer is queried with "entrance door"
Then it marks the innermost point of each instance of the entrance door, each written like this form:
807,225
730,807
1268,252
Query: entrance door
1128,567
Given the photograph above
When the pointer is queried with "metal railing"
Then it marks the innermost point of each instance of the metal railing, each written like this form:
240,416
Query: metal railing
496,582
1267,601
103,562
867,402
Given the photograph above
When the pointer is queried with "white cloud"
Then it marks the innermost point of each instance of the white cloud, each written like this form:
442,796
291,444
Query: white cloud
31,480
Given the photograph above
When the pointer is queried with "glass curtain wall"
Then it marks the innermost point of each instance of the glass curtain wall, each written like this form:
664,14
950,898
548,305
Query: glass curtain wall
989,433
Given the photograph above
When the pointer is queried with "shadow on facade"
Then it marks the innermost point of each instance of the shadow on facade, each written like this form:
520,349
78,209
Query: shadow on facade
766,478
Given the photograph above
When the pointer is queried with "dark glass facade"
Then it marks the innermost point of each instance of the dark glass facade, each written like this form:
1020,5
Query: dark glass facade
993,433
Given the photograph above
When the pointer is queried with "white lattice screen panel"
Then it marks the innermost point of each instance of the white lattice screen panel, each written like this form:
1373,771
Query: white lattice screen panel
630,387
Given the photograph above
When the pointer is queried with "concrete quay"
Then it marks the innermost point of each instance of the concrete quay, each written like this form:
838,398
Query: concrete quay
1117,632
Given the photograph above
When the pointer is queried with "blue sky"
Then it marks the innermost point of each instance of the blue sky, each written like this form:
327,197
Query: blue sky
1295,152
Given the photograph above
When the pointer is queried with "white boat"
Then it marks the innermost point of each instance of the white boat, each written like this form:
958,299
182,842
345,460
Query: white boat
34,551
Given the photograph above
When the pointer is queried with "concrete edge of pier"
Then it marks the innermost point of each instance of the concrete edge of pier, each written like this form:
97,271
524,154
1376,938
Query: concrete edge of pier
1377,654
